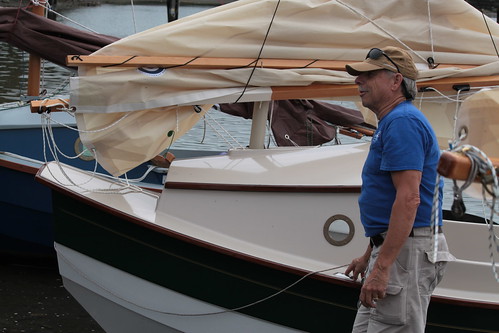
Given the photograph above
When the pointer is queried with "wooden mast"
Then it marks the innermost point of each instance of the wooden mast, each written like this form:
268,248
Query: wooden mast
35,60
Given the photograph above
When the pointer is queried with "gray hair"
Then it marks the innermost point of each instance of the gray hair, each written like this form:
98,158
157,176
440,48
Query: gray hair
409,88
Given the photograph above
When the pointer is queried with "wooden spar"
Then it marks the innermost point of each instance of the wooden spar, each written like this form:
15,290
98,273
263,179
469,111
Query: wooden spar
318,91
343,90
205,62
457,166
35,60
49,105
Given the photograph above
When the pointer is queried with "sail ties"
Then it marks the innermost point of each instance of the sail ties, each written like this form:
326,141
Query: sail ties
259,52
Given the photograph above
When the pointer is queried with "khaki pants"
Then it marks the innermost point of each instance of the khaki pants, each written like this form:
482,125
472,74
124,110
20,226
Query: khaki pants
413,277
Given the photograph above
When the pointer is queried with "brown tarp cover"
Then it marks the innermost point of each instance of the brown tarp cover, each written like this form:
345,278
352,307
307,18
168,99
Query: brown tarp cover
46,38
306,122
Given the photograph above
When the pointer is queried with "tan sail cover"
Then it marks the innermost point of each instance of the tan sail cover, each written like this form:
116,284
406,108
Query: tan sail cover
155,101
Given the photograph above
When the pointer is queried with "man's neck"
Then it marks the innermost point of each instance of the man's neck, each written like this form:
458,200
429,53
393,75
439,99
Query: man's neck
390,106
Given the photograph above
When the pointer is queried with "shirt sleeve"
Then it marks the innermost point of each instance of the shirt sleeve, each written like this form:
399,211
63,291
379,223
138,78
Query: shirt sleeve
403,145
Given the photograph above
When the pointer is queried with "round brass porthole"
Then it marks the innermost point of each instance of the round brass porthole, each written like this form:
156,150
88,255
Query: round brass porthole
339,230
79,148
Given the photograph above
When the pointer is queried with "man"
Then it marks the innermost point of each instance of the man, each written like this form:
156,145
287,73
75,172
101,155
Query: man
398,183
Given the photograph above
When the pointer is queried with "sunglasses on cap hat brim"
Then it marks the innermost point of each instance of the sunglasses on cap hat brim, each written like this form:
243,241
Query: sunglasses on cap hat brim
376,53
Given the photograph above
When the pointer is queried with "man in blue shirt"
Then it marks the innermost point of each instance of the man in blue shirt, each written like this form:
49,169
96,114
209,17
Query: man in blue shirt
398,185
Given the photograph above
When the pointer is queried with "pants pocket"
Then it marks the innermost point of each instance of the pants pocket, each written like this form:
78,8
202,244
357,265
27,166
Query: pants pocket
392,309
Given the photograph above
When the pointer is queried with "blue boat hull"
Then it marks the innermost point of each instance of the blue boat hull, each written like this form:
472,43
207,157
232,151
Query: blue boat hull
26,226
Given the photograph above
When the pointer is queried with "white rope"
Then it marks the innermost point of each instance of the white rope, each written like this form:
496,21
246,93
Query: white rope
133,17
435,216
287,137
74,267
430,30
490,185
220,134
47,6
456,116
121,186
80,130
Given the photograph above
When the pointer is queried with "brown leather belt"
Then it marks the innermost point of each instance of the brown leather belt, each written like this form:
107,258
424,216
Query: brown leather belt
377,240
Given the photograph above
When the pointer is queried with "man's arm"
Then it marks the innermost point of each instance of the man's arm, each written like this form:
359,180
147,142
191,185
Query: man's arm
400,225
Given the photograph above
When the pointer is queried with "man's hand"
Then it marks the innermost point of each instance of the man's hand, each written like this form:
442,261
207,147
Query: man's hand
358,266
374,287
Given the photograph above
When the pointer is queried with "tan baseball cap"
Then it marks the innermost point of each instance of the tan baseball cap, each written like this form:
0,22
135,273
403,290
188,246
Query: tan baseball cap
391,58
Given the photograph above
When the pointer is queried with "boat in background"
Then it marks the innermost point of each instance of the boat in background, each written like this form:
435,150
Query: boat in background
27,227
29,139
258,239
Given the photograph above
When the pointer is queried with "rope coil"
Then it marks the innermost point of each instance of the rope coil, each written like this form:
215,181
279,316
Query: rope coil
483,169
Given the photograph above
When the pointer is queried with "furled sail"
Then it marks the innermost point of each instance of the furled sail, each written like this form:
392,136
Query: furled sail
47,38
127,100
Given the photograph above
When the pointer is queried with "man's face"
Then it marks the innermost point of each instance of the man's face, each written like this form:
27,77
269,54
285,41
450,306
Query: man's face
375,88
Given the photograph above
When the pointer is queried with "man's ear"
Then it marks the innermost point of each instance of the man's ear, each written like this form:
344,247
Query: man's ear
397,81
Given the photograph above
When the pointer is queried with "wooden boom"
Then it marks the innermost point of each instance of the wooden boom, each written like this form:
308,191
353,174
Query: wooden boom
313,91
207,62
458,166
317,91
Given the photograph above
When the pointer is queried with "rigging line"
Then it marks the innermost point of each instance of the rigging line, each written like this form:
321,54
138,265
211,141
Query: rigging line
67,18
132,57
310,63
182,65
456,116
490,33
221,135
133,17
120,187
260,52
484,167
382,29
431,31
121,63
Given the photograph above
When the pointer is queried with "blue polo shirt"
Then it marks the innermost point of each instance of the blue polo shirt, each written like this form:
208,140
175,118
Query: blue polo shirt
404,140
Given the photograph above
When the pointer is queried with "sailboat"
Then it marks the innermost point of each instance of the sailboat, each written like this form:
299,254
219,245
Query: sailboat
258,239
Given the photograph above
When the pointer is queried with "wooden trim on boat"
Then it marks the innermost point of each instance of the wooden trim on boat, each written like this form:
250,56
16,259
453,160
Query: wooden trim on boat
49,105
212,62
18,167
451,83
262,188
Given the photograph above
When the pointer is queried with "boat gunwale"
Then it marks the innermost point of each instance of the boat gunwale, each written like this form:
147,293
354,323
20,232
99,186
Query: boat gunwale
239,255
